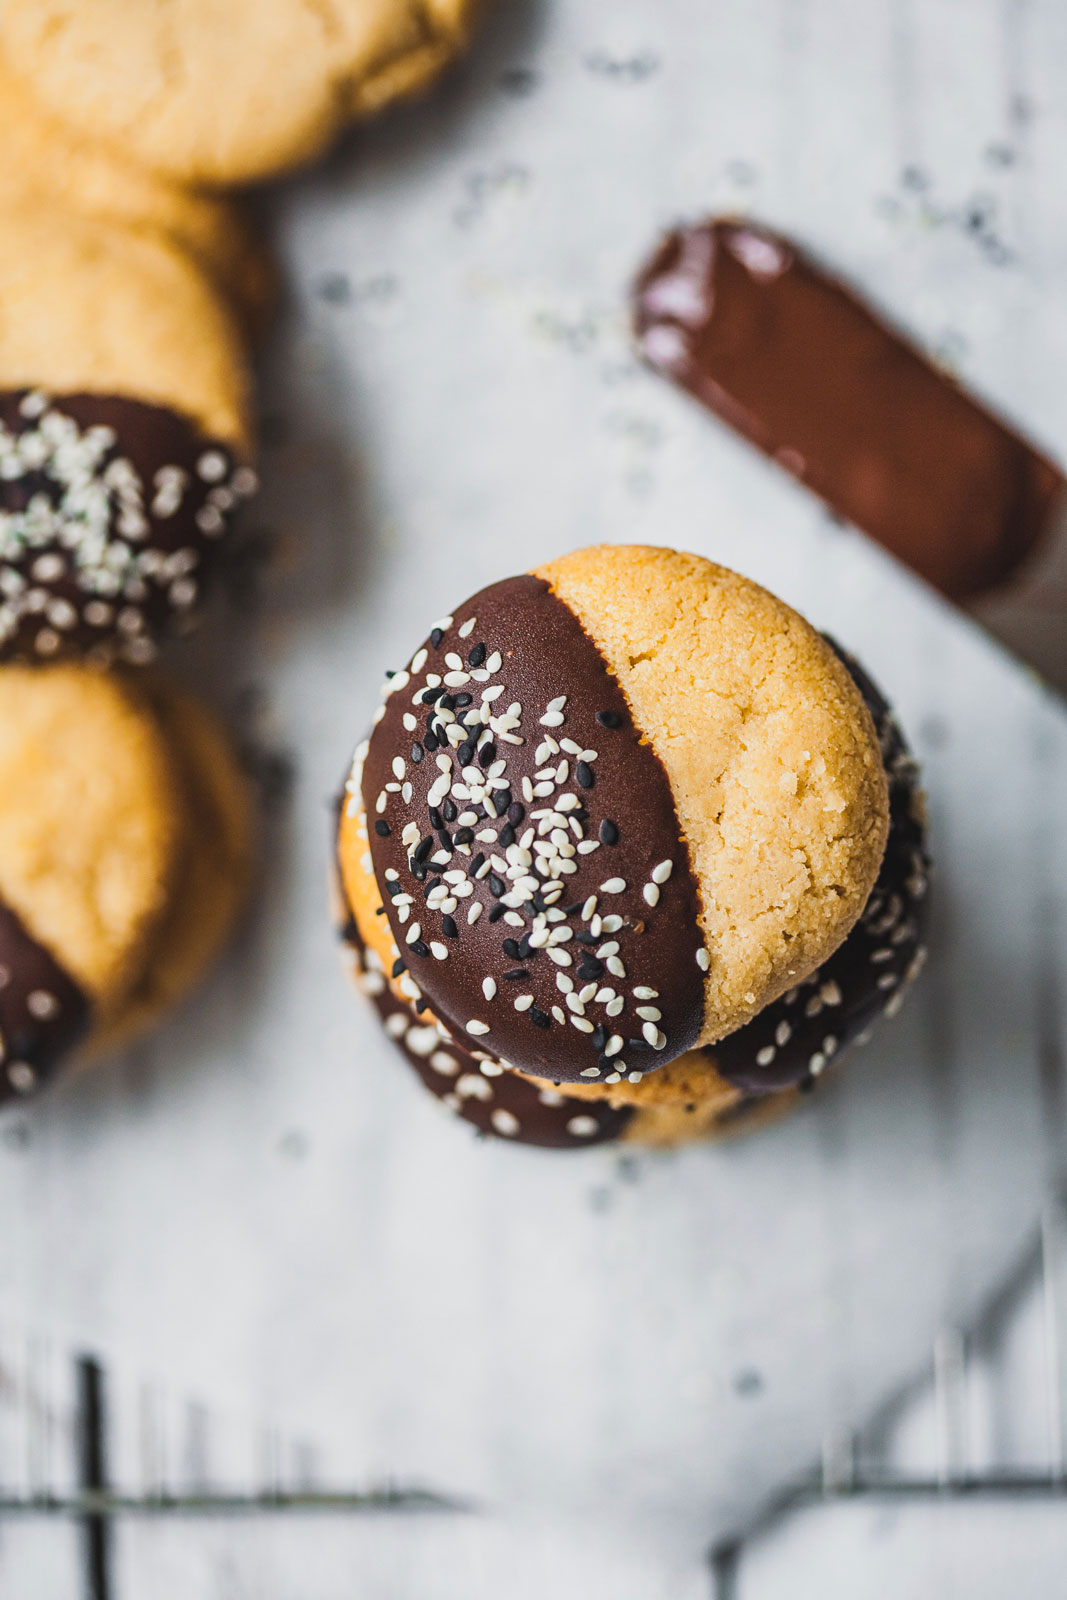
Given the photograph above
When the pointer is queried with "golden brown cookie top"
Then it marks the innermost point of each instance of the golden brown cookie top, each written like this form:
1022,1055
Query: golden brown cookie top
772,757
215,99
89,820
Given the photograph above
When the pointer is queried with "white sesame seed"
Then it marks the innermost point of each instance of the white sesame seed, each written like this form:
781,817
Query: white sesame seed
649,1013
504,1122
413,933
560,957
559,1013
613,886
552,719
467,628
438,950
444,1064
523,1002
614,1007
782,1034
476,1027
609,949
703,959
816,1063
582,1024
399,766
615,967
612,924
643,992
495,662
614,1045
488,988
651,894
661,873
474,912
765,1056
590,1072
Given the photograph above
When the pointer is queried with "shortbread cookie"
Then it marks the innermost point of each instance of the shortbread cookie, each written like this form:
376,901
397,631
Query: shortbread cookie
617,810
125,834
124,437
227,96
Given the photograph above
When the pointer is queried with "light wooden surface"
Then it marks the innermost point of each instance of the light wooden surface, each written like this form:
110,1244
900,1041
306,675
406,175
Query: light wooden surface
260,1207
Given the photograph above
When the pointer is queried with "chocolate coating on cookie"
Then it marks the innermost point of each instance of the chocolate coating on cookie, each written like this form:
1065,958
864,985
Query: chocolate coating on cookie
475,1087
792,1040
526,843
43,1012
111,515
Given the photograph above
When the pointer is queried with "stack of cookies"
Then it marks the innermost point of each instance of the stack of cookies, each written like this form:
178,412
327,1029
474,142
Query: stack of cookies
131,290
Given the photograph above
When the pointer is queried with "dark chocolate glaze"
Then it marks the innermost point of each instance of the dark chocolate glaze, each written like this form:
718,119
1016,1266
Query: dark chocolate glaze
43,1013
495,1101
111,517
794,1038
791,358
528,644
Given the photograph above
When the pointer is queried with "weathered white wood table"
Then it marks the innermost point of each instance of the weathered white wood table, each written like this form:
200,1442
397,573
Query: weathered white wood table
613,1357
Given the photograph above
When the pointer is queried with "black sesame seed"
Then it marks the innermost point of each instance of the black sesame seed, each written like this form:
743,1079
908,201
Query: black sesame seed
496,912
497,885
573,909
502,801
430,741
516,813
445,838
600,1036
382,828
392,889
511,948
477,864
506,835
477,655
609,833
590,968
525,948
517,972
464,699
416,752
583,775
380,911
390,672
399,967
464,835
606,1061
638,1044
585,937
428,696
465,753
420,1006
487,755
448,701
418,872
579,814
538,1018
430,887
435,818
448,927
435,638
422,849
450,811
420,948
609,719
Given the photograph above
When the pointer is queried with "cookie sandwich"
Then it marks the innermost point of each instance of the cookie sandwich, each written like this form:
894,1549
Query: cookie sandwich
125,440
632,852
125,852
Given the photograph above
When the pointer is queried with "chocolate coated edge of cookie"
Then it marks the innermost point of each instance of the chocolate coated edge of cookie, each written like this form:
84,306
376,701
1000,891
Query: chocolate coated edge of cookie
44,1014
601,941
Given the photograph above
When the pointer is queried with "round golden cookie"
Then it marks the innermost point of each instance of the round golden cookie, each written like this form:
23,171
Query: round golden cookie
124,435
47,164
213,864
771,754
228,95
90,824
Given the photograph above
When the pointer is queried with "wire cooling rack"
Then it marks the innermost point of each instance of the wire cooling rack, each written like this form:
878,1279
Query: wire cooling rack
83,1445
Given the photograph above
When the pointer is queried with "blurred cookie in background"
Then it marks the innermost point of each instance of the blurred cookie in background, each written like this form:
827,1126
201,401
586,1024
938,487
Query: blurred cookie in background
126,833
125,439
232,95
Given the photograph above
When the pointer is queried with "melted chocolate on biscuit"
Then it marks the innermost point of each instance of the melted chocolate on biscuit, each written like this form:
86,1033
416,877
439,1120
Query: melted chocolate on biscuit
111,513
471,1084
526,843
43,1012
792,359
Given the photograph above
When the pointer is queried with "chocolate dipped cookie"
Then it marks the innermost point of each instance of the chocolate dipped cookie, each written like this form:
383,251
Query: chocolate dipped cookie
617,848
125,444
120,877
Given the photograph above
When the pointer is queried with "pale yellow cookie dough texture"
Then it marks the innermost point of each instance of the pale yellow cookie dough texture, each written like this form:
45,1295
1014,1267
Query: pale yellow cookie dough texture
771,754
126,832
86,306
227,91
47,163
